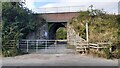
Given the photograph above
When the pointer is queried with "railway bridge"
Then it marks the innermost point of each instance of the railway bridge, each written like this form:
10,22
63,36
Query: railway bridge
46,35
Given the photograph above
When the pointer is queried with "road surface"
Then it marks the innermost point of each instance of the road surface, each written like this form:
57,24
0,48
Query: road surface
60,56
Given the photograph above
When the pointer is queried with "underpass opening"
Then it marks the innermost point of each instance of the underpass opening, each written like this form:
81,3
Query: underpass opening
61,33
53,27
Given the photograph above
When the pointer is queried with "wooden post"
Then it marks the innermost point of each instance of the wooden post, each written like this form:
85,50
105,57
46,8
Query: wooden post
97,47
74,42
110,49
87,34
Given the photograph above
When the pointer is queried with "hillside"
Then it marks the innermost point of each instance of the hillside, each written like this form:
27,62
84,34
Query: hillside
102,28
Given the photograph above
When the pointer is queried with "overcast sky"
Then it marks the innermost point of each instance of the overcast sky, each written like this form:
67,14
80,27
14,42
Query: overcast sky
39,6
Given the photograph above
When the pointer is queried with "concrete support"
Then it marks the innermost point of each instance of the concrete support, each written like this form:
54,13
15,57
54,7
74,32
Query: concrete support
40,33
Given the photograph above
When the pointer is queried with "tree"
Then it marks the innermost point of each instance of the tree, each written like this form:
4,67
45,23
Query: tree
18,21
61,33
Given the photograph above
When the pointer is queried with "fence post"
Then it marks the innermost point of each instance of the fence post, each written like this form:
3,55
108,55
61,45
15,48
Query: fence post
18,44
75,41
37,46
46,45
97,47
27,45
55,46
110,49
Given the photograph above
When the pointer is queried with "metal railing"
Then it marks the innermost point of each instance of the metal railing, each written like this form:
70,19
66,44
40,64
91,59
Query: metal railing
27,45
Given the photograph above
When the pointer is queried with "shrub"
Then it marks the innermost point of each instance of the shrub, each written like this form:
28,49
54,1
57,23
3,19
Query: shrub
108,55
116,54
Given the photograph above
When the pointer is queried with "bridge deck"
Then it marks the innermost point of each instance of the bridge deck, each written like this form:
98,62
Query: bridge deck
59,17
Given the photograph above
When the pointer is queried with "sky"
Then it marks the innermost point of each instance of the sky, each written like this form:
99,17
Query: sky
51,6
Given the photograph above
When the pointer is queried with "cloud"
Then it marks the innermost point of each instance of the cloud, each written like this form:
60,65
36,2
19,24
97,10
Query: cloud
75,0
30,4
110,6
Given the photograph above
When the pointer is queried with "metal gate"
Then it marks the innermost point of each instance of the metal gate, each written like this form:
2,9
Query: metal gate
44,46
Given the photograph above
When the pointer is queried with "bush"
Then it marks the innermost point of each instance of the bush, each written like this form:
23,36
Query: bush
108,55
96,53
17,22
61,33
116,54
10,52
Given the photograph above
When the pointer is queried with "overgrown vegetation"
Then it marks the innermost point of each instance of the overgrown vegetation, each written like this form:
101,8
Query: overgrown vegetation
103,27
17,22
61,33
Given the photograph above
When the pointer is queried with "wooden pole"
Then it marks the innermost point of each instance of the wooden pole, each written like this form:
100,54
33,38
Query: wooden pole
87,32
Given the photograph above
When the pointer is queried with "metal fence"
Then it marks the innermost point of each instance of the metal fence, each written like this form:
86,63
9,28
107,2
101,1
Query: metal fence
41,46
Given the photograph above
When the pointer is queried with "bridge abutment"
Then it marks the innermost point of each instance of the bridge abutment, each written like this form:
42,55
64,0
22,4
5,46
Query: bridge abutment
40,33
